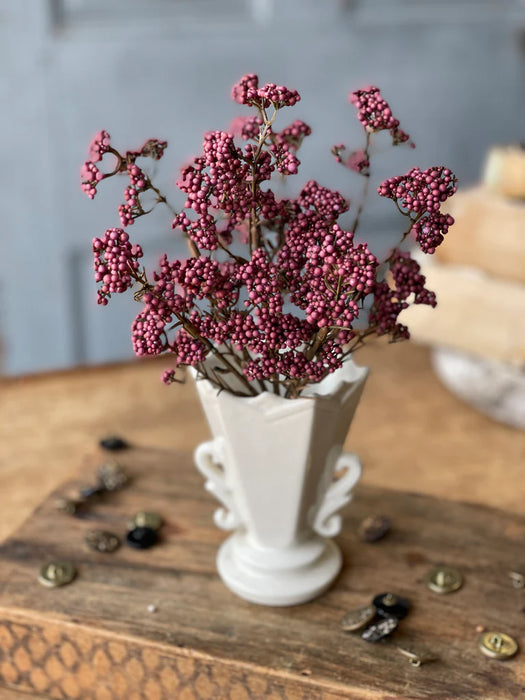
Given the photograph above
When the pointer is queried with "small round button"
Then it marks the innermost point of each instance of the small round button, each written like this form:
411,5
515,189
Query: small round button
57,573
145,519
111,476
380,630
142,537
67,505
444,579
90,491
374,528
113,443
391,605
102,541
356,619
498,645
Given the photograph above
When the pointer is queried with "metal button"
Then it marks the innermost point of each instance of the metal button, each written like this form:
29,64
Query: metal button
68,505
373,528
102,540
145,519
380,630
90,491
391,605
498,645
142,537
111,476
444,579
416,658
57,573
113,443
356,619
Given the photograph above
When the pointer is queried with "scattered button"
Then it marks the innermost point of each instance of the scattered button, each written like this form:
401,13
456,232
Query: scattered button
416,658
67,505
145,519
102,541
380,630
111,476
518,579
142,537
374,528
444,579
498,645
391,605
357,619
90,491
113,443
152,608
57,573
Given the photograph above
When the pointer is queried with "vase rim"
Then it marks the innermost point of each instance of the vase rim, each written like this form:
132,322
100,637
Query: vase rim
349,376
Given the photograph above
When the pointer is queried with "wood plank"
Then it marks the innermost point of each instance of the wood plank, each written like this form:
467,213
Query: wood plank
476,313
489,233
95,638
409,430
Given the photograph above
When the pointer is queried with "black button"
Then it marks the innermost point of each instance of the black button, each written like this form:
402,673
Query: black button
380,630
391,605
142,537
90,491
113,443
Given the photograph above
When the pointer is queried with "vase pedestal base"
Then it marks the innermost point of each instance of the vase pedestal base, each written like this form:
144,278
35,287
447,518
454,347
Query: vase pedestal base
278,577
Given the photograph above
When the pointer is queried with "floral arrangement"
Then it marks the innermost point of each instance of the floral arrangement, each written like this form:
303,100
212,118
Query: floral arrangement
274,289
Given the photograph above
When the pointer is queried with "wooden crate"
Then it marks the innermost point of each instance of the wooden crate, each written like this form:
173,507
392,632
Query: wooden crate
95,638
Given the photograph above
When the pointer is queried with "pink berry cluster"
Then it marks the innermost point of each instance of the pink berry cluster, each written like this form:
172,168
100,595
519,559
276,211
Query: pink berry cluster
406,286
420,194
91,175
375,114
275,289
248,92
115,261
99,145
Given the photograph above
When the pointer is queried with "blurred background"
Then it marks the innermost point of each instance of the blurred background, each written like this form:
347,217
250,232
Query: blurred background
452,71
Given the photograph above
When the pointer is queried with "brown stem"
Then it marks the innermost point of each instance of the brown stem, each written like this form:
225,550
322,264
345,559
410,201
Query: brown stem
366,186
255,226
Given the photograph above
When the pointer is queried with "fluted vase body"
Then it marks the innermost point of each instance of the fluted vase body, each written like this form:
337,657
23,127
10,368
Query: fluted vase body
277,467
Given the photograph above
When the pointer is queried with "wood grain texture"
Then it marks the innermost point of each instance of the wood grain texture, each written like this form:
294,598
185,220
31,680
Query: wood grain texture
494,307
410,432
487,234
94,639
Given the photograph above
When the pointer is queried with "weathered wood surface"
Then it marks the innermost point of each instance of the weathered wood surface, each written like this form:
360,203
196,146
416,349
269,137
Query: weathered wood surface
96,639
410,432
487,234
495,330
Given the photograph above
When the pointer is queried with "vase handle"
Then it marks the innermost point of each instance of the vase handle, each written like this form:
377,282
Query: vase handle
209,456
327,522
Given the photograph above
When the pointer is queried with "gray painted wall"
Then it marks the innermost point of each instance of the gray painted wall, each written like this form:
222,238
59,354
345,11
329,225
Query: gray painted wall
453,71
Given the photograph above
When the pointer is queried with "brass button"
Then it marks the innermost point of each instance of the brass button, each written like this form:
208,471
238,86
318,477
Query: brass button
145,519
67,505
57,573
356,619
102,541
111,476
498,645
444,579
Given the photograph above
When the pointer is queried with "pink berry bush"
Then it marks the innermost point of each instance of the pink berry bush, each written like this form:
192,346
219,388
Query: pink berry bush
276,292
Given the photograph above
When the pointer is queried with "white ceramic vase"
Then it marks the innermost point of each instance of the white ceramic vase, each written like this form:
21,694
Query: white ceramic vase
277,467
